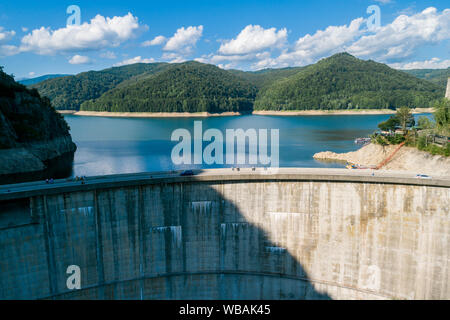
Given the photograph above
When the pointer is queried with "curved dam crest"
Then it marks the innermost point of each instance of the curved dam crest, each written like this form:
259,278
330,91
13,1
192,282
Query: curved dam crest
288,234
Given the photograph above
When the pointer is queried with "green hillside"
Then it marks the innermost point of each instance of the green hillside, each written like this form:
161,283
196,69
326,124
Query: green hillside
68,93
266,77
437,76
345,82
26,117
185,87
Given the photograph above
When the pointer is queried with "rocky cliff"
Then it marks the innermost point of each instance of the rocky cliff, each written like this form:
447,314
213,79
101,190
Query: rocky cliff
32,133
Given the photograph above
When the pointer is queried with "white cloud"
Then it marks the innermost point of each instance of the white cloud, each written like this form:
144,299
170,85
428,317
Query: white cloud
235,60
404,35
24,29
394,42
99,33
227,66
154,42
6,35
173,57
434,63
184,40
8,50
323,43
383,1
31,74
134,60
254,38
252,44
212,58
265,63
108,55
77,59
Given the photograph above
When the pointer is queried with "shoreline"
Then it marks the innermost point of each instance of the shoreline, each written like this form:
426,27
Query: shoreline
407,159
148,114
231,114
338,112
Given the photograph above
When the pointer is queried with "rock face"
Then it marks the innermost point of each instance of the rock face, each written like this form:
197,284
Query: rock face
32,133
406,159
33,157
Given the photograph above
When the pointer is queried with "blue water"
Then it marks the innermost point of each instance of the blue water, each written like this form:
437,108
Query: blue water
128,145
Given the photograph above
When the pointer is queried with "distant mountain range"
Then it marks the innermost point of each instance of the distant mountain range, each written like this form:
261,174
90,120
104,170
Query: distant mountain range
437,76
338,82
30,81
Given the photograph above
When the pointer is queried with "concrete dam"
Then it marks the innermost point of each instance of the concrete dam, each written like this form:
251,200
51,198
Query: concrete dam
222,234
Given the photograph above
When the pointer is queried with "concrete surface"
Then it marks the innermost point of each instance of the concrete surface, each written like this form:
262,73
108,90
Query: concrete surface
223,234
447,92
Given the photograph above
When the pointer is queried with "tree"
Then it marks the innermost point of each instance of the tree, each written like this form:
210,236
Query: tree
405,117
389,124
425,123
442,116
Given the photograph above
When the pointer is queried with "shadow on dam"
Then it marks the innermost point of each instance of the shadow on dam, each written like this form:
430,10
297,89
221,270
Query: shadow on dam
158,241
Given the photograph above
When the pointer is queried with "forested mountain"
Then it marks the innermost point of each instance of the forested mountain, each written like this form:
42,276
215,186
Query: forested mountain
345,82
184,87
437,76
70,92
31,81
338,82
25,117
266,77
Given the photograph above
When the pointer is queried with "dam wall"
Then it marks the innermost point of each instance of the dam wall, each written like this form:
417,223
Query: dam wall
250,236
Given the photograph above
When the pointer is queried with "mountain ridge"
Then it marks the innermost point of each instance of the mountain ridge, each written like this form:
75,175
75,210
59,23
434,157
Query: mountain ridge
276,89
184,87
345,82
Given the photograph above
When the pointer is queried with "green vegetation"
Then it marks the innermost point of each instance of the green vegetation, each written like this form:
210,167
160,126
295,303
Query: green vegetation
25,116
442,117
338,82
387,140
425,123
405,117
437,76
424,136
345,82
68,93
266,77
390,124
186,87
424,145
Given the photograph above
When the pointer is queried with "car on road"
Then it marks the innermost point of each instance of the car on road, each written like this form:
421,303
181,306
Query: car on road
423,176
187,173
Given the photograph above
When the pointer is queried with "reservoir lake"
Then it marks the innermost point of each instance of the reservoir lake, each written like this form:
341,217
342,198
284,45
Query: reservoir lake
108,145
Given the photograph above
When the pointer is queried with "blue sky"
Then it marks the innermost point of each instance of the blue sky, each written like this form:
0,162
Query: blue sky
248,35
